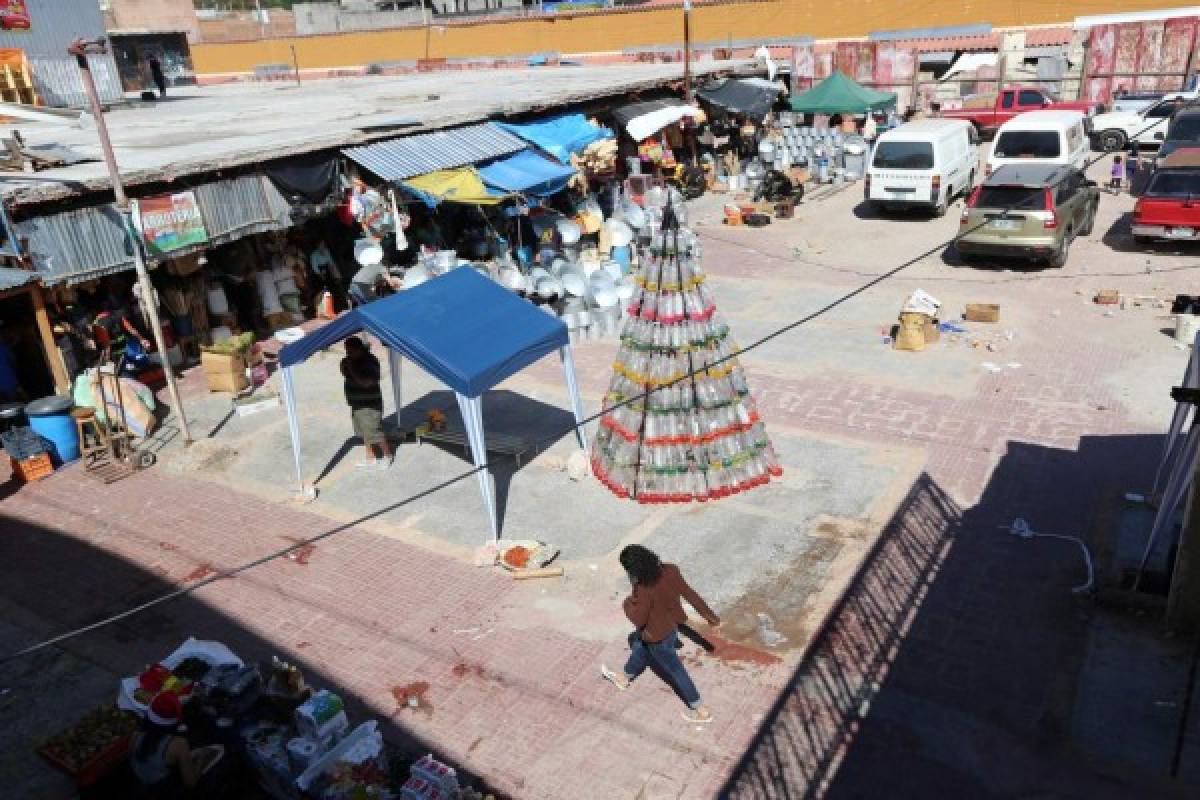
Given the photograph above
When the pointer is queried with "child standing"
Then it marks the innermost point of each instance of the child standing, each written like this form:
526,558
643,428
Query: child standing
1118,174
1133,164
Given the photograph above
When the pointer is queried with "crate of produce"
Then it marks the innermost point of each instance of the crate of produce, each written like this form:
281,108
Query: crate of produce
92,746
33,468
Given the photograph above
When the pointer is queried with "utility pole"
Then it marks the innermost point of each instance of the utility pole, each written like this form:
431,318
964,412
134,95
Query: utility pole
687,51
81,48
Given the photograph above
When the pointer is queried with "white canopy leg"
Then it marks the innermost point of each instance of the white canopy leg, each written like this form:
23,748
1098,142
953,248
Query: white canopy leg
472,414
289,401
394,362
568,363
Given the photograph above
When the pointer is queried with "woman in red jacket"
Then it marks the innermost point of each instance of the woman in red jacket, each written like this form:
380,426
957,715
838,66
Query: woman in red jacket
655,610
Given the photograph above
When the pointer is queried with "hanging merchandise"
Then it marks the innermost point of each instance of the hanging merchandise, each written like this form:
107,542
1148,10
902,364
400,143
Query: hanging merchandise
697,434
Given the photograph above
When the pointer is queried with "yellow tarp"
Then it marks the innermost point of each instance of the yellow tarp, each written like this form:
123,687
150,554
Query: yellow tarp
461,185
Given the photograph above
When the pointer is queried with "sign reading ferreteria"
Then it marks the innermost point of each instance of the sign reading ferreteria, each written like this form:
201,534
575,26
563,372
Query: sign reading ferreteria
170,222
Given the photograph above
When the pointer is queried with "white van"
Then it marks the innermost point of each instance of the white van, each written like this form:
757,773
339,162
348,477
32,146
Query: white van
1041,137
925,163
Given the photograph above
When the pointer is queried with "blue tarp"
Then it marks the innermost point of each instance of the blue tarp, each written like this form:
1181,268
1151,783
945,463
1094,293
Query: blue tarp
461,328
527,173
559,136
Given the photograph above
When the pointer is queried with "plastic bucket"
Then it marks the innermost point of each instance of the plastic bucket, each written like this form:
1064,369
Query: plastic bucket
51,417
623,256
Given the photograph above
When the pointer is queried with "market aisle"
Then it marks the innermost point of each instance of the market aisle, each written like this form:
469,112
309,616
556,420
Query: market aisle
367,616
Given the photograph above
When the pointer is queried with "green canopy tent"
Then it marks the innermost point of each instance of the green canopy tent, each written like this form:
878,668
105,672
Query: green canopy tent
837,94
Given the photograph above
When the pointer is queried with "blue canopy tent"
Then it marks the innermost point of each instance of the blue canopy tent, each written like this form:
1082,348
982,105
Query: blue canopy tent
461,328
560,136
526,173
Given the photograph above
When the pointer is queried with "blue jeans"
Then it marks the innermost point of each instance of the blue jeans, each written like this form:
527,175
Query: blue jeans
664,656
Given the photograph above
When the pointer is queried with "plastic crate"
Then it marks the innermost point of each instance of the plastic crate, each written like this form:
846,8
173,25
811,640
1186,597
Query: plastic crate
33,468
97,766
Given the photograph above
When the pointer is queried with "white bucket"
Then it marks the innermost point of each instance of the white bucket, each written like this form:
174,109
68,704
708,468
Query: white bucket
1186,326
218,303
367,252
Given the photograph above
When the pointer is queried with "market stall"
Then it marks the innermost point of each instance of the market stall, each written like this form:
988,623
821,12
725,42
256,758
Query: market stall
244,724
461,328
753,97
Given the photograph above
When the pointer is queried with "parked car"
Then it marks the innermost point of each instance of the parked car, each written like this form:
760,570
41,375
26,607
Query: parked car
1182,131
1048,137
925,163
1029,211
1116,129
1014,101
1135,101
1169,208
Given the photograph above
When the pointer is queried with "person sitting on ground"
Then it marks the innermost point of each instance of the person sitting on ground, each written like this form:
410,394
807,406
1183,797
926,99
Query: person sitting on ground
163,762
363,395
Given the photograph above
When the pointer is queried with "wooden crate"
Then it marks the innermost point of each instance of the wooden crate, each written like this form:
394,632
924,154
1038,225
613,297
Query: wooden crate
33,468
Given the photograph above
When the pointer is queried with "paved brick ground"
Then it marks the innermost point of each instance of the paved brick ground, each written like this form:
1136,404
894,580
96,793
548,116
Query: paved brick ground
952,654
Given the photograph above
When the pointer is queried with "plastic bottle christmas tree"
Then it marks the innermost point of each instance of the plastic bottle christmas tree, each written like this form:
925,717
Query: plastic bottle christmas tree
679,424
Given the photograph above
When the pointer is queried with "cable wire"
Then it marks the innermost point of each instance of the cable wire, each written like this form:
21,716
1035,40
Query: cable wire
578,427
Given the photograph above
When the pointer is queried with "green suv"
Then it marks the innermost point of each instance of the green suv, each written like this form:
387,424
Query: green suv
1029,211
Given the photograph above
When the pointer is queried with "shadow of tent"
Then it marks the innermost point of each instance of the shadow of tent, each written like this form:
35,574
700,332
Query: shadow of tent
947,668
505,413
52,581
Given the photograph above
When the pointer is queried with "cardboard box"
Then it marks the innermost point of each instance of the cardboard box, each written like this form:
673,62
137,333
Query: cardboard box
225,372
278,321
982,312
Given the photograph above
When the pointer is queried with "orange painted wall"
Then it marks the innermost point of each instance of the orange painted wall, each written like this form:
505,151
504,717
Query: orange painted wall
595,32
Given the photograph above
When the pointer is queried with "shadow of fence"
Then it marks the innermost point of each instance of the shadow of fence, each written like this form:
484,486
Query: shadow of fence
808,730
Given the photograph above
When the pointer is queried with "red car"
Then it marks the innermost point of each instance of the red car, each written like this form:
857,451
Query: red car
1011,102
1169,208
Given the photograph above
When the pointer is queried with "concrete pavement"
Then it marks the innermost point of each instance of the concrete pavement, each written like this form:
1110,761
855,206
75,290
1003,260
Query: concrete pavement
914,625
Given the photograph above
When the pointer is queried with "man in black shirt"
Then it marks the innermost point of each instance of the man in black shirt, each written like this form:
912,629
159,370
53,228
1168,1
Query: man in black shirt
361,371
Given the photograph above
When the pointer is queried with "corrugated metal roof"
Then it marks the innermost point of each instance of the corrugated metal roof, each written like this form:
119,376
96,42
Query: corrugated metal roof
78,246
397,159
15,278
1045,37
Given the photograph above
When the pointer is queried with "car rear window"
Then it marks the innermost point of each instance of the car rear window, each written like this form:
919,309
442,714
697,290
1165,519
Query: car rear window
1185,129
1015,198
904,155
1028,144
1175,184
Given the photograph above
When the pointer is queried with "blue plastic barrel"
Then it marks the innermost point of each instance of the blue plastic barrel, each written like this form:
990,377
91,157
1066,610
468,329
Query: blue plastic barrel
51,417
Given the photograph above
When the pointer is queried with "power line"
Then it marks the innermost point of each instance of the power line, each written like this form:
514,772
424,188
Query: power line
578,426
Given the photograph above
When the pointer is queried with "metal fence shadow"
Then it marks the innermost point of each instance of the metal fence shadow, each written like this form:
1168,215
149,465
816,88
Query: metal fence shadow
808,730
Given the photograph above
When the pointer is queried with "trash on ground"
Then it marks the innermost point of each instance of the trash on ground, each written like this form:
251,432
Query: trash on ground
921,302
767,633
982,312
1107,297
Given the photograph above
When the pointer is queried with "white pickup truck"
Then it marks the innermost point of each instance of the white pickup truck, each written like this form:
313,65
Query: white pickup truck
1148,127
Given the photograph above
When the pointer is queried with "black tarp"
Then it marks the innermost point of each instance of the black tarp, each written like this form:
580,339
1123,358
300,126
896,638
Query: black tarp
740,97
309,176
623,114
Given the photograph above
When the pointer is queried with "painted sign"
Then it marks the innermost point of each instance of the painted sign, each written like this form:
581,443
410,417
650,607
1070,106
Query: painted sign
14,15
170,222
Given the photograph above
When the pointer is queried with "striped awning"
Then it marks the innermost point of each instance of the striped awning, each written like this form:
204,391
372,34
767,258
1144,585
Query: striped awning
407,157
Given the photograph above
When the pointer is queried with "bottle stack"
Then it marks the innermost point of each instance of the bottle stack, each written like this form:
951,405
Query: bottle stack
679,422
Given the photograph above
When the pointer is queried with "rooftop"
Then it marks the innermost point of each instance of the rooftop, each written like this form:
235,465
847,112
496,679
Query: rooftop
202,129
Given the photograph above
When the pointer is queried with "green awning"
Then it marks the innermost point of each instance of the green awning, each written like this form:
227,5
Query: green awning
837,94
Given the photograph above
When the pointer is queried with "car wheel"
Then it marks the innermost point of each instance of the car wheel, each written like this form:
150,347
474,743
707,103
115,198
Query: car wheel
1059,259
1089,223
1111,141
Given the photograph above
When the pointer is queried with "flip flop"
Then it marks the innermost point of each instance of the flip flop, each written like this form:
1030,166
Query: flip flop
611,677
692,716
